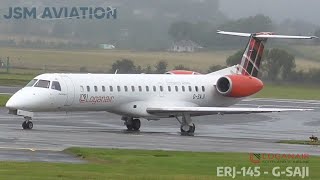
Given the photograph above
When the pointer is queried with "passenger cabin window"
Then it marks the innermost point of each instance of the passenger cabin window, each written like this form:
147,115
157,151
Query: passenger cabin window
147,88
203,89
177,89
140,88
126,88
118,88
32,82
196,88
103,89
56,85
154,88
161,88
95,88
190,88
111,88
169,88
132,88
183,89
42,84
88,88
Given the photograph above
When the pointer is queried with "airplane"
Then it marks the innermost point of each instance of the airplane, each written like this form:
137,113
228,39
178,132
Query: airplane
176,94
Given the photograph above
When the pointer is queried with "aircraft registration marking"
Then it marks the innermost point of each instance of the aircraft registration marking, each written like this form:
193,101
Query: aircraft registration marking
199,96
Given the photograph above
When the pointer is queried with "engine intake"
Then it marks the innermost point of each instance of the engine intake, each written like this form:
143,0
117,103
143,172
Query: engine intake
238,85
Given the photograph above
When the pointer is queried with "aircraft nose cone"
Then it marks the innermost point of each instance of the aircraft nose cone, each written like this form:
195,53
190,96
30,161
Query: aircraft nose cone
18,101
12,103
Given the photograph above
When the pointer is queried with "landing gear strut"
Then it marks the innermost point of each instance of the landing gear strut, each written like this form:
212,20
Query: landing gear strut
187,127
27,124
132,124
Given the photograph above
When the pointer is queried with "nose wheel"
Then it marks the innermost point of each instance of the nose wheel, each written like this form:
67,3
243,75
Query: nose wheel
27,124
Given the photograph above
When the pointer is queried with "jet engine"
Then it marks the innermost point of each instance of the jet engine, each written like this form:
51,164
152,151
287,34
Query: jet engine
238,85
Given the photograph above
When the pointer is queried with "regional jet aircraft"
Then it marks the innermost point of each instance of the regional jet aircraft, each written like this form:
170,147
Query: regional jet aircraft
176,94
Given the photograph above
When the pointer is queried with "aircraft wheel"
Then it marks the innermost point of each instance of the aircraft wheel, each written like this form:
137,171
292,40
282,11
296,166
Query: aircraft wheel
129,127
30,125
190,130
27,125
24,125
136,124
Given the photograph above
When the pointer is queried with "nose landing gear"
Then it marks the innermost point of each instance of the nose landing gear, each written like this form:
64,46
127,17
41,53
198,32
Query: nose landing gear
27,124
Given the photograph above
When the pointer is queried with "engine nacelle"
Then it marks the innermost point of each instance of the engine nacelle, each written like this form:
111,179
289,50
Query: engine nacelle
238,85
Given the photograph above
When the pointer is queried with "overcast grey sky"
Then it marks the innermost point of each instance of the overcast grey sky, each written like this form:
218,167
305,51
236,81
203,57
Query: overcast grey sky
307,10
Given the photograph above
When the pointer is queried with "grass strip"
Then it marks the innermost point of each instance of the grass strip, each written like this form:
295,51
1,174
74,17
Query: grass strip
144,164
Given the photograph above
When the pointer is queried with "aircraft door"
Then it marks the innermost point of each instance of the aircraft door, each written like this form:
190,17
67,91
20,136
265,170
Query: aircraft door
70,90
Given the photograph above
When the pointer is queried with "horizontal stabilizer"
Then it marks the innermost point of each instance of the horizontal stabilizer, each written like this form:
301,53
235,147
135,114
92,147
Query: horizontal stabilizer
266,35
284,36
234,33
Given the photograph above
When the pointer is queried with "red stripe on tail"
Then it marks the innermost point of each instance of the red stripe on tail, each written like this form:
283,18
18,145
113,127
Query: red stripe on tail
251,59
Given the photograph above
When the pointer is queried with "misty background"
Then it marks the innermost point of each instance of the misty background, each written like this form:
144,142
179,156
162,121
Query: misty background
154,25
278,10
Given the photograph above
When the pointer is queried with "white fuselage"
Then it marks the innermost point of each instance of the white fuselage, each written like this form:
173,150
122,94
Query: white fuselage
127,94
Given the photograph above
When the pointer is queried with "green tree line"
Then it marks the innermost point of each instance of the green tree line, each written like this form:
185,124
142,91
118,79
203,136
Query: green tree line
277,66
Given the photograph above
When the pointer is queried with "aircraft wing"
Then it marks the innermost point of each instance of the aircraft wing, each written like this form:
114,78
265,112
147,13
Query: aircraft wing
197,111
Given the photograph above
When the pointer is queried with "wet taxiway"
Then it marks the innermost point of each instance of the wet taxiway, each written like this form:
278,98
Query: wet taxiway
54,132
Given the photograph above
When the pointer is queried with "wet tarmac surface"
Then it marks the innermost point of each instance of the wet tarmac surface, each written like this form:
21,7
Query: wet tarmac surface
257,133
27,155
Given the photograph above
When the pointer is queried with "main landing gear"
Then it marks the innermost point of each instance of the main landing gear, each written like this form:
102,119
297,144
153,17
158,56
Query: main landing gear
132,124
27,124
187,127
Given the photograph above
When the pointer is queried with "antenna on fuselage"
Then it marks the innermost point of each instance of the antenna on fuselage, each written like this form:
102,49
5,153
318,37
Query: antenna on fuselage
116,71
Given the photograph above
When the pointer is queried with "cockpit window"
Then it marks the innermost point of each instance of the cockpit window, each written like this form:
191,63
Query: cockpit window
32,82
42,84
56,85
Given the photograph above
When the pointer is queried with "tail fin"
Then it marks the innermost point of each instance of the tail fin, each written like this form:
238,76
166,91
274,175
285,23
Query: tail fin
251,59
